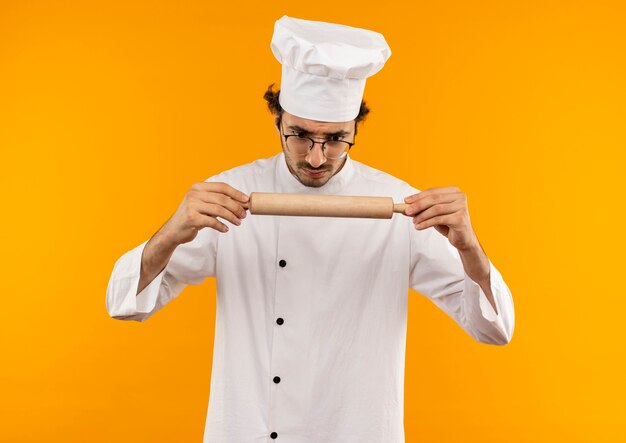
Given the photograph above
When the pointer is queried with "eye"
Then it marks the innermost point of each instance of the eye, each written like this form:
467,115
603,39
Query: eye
300,135
336,138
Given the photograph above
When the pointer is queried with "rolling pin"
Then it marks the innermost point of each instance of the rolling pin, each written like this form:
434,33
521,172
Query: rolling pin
308,205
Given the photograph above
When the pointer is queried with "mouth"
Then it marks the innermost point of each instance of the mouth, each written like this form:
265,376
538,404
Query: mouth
314,174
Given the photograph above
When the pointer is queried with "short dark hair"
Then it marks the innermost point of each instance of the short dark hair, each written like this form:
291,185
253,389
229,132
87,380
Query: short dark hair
271,96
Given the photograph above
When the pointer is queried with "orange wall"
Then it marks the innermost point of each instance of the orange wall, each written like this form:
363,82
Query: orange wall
110,111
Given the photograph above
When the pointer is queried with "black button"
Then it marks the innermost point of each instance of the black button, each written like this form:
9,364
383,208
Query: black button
276,379
273,435
282,263
280,321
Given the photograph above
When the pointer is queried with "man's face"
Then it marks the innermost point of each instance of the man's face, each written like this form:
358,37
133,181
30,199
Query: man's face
314,169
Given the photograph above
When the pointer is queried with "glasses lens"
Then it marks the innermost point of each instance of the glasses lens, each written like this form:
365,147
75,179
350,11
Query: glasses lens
299,145
336,149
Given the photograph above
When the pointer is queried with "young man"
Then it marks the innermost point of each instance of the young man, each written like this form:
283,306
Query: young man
311,312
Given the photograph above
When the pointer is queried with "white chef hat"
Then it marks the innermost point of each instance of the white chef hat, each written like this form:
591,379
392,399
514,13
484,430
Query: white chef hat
324,67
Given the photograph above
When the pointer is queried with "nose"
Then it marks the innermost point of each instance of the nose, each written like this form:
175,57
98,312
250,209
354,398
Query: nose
316,157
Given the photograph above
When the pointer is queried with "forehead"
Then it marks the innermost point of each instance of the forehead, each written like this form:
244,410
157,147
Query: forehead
316,126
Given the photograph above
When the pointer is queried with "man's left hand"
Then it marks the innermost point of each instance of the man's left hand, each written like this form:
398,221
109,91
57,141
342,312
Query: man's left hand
445,209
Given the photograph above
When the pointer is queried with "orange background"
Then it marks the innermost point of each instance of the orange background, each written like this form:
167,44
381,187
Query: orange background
110,110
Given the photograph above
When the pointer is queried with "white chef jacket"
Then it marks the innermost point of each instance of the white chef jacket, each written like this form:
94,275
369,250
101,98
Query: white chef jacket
320,303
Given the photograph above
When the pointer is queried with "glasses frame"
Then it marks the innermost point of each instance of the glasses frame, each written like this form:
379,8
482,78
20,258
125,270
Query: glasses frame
314,142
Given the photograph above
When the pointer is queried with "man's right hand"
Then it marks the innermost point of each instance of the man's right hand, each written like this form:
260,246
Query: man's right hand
203,203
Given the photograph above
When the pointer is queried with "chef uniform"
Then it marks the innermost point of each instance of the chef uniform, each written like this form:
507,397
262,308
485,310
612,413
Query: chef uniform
311,314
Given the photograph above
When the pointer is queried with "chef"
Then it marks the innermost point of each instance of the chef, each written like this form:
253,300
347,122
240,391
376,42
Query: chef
311,317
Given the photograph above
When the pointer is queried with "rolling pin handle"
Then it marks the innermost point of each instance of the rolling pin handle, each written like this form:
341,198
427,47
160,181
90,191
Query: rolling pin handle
399,207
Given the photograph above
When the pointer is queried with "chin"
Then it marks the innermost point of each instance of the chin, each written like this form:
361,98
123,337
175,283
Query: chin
312,183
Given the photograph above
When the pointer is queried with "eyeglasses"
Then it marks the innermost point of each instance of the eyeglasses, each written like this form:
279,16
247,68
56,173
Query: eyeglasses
299,144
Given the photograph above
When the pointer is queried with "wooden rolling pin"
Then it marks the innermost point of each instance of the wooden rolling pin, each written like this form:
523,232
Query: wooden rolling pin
267,203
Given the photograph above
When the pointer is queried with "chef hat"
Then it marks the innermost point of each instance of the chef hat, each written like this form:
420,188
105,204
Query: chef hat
324,67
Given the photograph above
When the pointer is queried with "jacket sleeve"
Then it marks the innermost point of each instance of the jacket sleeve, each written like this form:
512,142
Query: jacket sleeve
190,263
437,272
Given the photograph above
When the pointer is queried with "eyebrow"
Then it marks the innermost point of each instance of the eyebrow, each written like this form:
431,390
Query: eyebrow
340,133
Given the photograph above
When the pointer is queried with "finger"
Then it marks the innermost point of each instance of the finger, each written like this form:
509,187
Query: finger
215,210
427,192
222,200
411,198
222,188
211,222
441,209
446,220
431,200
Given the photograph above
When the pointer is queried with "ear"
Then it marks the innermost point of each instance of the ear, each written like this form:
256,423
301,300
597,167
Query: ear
277,123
